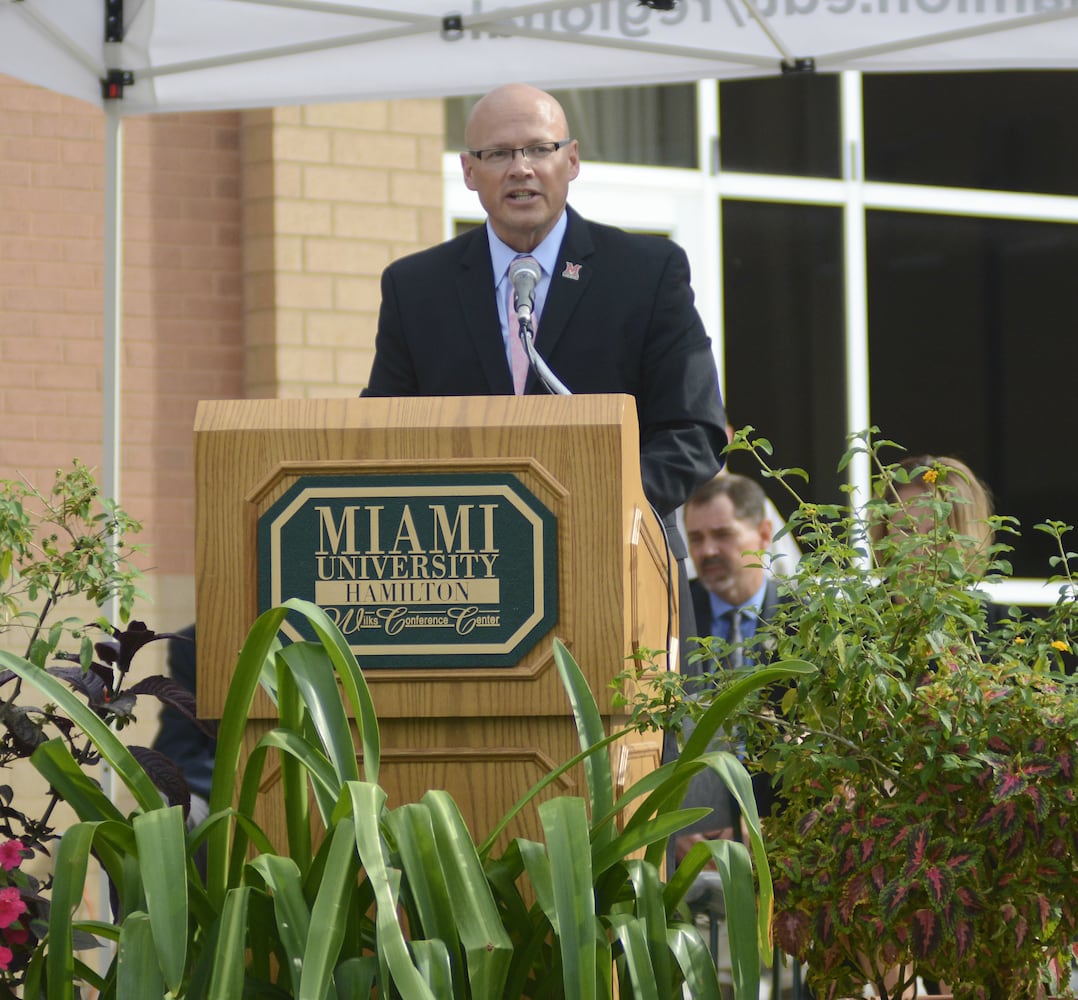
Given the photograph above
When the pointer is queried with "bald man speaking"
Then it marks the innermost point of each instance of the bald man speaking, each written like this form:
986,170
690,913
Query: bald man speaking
612,312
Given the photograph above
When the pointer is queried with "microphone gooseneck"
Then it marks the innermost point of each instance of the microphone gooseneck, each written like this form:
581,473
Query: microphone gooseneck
524,275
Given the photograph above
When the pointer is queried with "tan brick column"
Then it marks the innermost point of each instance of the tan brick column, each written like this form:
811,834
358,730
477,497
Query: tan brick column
332,194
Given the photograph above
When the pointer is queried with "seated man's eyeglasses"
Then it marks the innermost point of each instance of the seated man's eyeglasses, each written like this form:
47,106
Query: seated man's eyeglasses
536,152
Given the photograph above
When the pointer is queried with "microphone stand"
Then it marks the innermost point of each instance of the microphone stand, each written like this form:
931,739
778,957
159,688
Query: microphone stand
549,380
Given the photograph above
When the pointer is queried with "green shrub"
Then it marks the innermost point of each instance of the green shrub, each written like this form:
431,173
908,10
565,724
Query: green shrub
397,903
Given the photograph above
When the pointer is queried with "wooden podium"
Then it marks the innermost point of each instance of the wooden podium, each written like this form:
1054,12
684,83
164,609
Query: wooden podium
485,733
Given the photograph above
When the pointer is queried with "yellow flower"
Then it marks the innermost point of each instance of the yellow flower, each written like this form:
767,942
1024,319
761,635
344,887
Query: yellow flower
930,476
1019,641
1061,646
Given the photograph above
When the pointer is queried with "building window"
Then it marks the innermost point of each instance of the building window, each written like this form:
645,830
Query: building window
995,131
649,126
971,354
781,125
785,373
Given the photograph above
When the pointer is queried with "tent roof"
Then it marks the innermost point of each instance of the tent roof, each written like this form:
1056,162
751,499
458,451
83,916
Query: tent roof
210,54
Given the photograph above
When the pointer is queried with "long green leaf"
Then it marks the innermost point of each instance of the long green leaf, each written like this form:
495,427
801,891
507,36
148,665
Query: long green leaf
138,973
261,640
312,670
355,977
296,799
537,864
71,859
329,915
740,784
55,764
650,909
632,933
263,950
162,850
367,802
254,664
313,765
245,828
107,743
282,878
226,981
421,866
565,824
696,962
661,794
352,680
641,835
545,782
589,726
659,791
732,860
727,700
486,943
432,959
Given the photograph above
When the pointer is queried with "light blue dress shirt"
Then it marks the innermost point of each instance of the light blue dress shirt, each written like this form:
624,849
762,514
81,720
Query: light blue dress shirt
750,615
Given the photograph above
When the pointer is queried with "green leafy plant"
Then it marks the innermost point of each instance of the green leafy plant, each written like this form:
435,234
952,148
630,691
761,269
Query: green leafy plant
928,822
399,902
57,549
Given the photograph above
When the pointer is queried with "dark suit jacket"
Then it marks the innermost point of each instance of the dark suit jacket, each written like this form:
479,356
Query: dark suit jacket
188,745
707,789
626,323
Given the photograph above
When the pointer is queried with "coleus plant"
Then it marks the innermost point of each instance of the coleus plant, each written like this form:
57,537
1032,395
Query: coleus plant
927,822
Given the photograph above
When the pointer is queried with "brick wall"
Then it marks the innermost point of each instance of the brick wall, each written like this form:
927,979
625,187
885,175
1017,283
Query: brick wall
182,331
333,194
51,169
253,244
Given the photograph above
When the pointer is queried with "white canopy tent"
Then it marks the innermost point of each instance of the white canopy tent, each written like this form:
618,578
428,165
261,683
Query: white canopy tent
177,55
143,56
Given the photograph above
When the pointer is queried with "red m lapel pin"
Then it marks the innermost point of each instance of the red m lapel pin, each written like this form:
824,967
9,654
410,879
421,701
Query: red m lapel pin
572,271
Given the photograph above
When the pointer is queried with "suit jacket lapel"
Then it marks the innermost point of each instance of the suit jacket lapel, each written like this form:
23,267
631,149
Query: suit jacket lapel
475,289
771,600
565,292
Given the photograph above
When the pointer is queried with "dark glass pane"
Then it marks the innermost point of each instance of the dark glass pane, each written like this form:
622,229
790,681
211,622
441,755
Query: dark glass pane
781,125
785,367
649,126
972,355
1001,131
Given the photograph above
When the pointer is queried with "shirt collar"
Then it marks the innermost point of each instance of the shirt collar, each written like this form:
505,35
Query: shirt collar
502,255
753,606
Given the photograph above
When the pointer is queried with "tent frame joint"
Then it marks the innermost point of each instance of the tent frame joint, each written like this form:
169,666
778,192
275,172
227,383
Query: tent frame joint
805,66
113,83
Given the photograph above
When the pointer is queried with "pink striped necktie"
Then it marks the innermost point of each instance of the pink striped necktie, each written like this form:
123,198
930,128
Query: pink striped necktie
518,357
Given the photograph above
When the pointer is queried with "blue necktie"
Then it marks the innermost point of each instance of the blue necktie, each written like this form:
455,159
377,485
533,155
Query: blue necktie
735,660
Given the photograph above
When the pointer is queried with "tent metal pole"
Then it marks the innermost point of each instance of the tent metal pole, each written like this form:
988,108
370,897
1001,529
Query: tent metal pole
111,386
711,286
113,281
858,415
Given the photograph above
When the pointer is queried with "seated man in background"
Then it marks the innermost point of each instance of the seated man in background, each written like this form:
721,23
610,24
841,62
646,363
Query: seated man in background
727,528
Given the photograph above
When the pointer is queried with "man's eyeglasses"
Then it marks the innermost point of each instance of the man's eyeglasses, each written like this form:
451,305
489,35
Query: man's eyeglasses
536,153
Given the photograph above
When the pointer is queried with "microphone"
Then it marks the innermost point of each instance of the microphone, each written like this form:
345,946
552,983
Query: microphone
524,275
